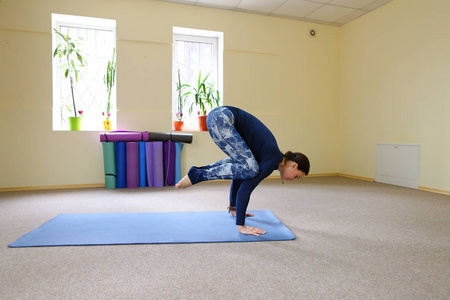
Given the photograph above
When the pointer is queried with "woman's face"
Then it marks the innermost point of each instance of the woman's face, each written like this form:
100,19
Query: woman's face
290,171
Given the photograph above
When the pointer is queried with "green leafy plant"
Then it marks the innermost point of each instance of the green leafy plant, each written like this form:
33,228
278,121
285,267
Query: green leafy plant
181,97
204,94
110,79
72,60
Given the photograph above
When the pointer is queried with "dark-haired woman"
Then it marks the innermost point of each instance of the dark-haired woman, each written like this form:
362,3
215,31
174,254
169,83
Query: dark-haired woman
253,155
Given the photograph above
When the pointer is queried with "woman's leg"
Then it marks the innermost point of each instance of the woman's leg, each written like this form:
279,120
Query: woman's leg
218,163
241,164
186,182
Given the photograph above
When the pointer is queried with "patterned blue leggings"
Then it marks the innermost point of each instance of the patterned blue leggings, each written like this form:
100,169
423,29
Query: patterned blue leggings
241,163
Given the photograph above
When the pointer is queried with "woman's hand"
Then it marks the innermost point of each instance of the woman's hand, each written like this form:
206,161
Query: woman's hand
250,230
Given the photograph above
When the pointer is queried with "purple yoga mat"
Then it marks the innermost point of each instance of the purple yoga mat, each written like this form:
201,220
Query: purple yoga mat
169,163
154,162
149,162
123,136
132,165
158,171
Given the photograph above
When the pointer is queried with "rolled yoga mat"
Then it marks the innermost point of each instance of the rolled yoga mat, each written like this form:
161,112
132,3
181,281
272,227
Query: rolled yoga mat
158,164
123,136
142,165
169,163
132,165
121,164
110,182
109,163
178,148
151,228
149,163
154,162
169,136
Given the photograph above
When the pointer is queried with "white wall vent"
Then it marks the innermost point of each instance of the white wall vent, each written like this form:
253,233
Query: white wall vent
398,164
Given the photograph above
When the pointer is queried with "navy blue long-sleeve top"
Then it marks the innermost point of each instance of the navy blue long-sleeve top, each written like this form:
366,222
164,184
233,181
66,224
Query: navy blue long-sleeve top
264,147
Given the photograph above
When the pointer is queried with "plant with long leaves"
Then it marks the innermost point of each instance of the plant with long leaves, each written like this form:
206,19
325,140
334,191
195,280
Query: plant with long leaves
181,97
110,79
72,60
204,94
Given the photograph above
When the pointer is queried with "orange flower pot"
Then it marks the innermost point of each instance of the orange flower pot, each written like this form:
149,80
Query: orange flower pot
178,125
202,123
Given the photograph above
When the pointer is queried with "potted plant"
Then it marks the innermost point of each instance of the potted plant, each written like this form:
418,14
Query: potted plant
204,94
178,124
109,79
75,124
72,61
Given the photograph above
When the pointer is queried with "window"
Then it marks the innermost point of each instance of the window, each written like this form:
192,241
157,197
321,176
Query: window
97,43
196,51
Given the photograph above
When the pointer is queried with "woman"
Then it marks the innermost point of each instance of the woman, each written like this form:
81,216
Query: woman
253,155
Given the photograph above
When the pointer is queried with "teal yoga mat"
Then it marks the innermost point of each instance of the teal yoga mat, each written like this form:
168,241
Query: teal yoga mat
151,228
109,163
109,158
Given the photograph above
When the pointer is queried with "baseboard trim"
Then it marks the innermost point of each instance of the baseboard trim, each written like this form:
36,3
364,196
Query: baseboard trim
52,187
432,190
422,188
310,175
97,185
331,175
324,175
356,177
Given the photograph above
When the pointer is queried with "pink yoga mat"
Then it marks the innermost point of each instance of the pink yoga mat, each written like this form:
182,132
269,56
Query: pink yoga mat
132,165
123,136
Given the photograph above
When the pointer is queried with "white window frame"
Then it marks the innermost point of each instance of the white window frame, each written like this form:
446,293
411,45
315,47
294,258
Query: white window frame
197,35
83,22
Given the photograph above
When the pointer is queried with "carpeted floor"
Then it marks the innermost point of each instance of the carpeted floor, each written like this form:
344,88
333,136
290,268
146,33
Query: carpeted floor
355,240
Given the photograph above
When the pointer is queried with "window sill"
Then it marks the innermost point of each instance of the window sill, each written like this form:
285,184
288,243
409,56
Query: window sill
189,128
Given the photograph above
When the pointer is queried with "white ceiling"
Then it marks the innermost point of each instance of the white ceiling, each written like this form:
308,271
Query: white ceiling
329,12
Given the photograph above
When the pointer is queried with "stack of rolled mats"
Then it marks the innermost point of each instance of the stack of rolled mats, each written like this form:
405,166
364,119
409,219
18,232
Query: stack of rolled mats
139,159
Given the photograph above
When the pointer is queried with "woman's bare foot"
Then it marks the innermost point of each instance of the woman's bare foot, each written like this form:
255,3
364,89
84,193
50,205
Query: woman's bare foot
233,213
184,183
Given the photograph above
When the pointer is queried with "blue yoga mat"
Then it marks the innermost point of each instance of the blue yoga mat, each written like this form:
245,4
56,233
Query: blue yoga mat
121,164
151,228
142,165
178,148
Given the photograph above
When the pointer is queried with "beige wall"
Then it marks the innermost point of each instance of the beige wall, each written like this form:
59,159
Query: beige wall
272,68
395,87
383,78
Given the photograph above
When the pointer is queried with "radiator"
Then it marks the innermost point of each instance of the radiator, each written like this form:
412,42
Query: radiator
398,164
